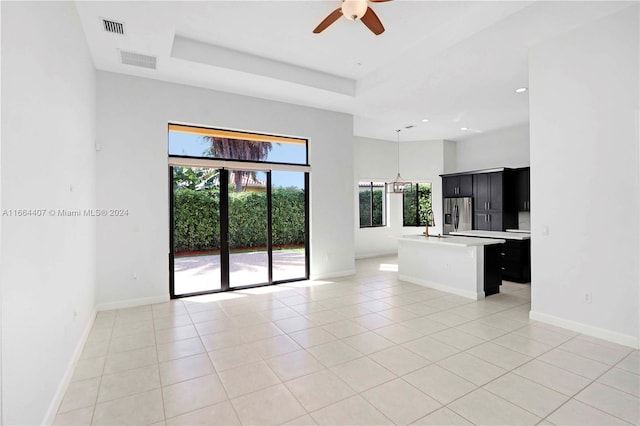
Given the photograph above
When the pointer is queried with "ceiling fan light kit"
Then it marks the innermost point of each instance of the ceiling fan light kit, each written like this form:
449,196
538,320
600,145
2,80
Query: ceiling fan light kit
354,10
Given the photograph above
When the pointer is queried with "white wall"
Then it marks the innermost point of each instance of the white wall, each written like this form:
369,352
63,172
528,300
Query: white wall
377,160
584,178
508,147
132,173
450,160
1,315
48,162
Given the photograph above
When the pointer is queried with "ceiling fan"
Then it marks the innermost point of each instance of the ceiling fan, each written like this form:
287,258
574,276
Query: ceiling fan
354,10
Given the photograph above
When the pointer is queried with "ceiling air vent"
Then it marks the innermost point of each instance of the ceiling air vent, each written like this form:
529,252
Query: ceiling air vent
138,60
113,26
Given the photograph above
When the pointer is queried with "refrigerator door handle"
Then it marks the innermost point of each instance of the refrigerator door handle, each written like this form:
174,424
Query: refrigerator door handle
456,217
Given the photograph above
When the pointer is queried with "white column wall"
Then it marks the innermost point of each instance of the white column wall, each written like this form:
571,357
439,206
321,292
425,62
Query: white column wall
584,88
48,162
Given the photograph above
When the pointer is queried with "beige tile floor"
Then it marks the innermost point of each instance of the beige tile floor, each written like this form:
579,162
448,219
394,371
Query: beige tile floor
366,349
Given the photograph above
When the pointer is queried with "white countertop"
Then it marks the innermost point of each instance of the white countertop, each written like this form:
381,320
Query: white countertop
494,234
523,231
451,240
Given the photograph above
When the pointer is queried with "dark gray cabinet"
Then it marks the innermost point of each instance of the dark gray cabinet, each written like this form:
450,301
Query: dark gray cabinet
488,191
489,202
496,193
492,269
523,189
457,186
516,261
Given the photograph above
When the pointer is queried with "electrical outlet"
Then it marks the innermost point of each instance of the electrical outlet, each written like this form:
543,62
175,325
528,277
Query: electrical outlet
586,298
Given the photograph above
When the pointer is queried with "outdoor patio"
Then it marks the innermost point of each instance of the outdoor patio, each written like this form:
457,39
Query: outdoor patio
193,274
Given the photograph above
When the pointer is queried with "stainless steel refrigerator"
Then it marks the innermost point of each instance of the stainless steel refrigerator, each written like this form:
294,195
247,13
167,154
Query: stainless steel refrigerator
458,215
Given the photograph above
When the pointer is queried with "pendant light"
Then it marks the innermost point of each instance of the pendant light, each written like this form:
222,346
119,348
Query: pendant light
399,185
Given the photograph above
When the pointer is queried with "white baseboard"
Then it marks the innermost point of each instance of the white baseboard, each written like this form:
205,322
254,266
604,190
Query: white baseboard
377,254
50,415
334,275
442,287
129,303
589,330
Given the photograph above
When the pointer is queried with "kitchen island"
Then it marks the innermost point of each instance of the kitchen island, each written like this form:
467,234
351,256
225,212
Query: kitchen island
516,252
468,267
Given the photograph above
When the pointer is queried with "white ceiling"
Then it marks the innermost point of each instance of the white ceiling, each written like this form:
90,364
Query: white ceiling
455,63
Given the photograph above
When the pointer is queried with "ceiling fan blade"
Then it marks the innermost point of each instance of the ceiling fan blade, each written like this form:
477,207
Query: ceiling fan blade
333,17
371,20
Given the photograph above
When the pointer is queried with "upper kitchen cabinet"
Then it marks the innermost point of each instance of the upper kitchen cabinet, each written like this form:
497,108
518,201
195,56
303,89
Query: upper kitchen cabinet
523,189
493,204
457,186
488,190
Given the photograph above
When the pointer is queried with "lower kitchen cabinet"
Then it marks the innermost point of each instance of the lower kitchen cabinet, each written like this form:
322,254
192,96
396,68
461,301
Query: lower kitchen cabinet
516,261
492,275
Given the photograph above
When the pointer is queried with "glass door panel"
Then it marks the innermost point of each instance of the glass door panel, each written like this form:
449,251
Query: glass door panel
196,230
248,228
289,225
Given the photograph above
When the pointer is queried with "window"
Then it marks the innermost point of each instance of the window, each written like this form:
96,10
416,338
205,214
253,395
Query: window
372,197
416,206
200,142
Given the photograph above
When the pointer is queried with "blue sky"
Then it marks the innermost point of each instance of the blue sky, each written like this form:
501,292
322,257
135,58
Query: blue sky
194,145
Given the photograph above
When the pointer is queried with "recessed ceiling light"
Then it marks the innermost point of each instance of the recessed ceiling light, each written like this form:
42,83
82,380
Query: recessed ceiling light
424,120
463,128
521,90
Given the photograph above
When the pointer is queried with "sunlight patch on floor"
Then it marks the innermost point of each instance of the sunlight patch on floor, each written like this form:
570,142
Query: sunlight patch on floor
388,267
309,283
264,290
216,297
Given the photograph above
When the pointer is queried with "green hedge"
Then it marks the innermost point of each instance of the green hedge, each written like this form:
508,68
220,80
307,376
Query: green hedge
366,218
197,224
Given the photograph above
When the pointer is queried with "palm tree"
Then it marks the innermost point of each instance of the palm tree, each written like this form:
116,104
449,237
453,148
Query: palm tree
238,149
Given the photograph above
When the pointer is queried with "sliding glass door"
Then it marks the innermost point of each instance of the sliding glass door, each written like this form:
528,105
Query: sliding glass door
236,228
289,227
248,228
195,233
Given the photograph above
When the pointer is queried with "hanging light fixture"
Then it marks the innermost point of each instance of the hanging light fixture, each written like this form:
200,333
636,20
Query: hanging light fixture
399,185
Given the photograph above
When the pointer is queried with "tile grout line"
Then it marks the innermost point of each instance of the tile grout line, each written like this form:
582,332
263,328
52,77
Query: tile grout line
492,380
215,371
95,404
586,386
153,323
330,307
